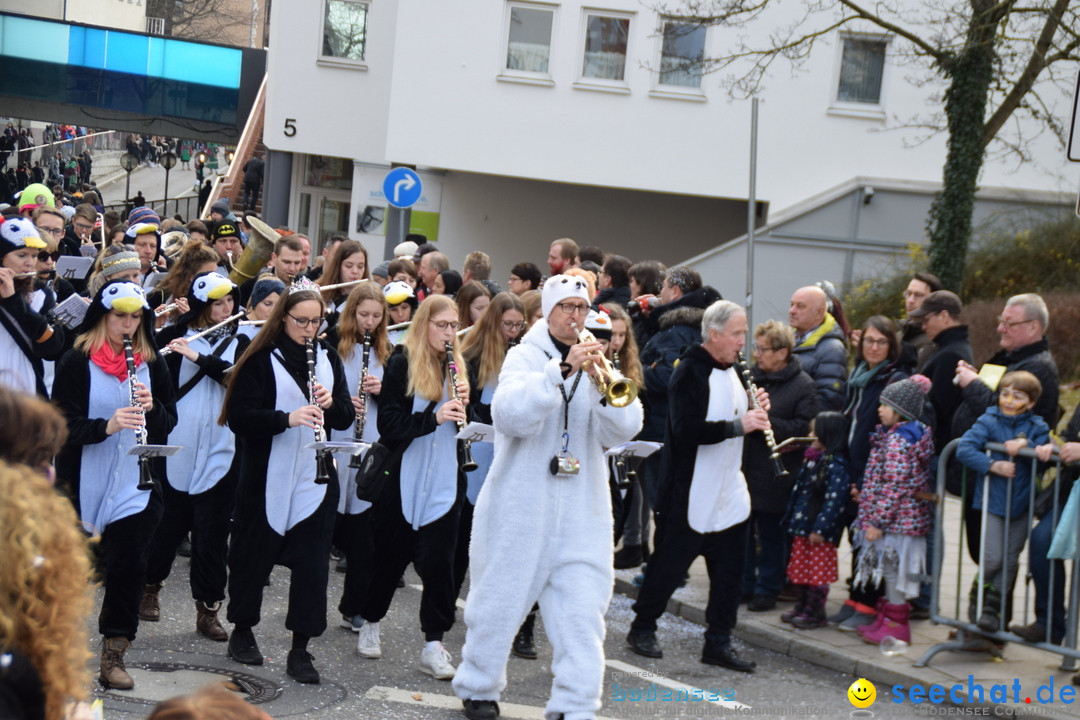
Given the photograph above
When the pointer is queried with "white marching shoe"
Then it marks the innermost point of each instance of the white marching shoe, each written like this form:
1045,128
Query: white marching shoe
435,661
367,641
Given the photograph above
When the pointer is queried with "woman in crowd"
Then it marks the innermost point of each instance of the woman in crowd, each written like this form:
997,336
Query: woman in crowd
361,340
447,282
116,262
880,363
472,300
195,258
285,517
104,408
25,336
420,505
401,304
201,477
533,309
348,263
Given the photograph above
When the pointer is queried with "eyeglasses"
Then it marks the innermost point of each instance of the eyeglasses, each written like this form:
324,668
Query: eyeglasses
759,349
571,308
444,325
1009,325
45,255
304,322
513,325
55,232
81,226
875,342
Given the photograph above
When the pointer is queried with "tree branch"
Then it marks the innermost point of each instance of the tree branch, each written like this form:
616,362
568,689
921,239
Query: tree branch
936,53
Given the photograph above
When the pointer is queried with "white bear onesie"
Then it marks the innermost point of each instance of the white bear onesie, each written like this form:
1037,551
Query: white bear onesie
538,536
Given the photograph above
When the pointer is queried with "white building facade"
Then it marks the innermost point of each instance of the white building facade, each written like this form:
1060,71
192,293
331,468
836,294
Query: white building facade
529,121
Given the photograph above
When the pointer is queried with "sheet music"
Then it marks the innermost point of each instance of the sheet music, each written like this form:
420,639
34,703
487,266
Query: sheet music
72,311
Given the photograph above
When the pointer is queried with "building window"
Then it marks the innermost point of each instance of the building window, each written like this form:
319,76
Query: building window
606,39
682,54
528,46
862,66
345,30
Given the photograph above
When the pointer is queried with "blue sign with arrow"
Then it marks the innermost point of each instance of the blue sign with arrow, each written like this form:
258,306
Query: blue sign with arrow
402,187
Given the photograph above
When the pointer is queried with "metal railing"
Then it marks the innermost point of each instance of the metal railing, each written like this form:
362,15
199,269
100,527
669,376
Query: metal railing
968,635
187,206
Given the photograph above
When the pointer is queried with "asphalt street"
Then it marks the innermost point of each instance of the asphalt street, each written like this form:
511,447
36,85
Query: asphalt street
168,658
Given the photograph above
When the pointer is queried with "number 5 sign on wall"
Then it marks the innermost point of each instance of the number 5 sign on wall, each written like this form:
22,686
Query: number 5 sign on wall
290,127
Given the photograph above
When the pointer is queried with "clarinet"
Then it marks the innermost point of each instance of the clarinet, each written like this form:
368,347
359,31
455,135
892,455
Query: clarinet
146,480
770,440
467,462
322,475
357,460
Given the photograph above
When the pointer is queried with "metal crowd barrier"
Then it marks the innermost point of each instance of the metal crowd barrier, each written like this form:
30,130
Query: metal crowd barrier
968,636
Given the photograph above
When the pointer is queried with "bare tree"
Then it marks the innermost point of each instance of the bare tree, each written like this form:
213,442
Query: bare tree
206,20
996,60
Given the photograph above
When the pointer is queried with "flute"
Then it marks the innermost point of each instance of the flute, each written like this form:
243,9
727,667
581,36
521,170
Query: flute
252,322
166,310
337,286
399,326
207,331
770,439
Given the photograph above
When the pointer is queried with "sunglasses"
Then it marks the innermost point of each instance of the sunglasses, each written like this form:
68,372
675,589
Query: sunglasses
44,255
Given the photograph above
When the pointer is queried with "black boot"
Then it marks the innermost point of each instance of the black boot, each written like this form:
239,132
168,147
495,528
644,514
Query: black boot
243,648
719,651
523,642
990,620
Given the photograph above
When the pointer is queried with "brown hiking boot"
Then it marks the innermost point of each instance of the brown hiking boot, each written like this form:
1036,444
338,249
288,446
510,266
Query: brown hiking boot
206,621
113,673
149,608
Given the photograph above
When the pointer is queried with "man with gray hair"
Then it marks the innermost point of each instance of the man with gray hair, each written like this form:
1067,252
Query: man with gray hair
704,503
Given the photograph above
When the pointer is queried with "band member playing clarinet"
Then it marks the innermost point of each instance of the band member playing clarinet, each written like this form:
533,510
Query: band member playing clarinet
543,528
95,393
360,338
283,516
418,510
703,505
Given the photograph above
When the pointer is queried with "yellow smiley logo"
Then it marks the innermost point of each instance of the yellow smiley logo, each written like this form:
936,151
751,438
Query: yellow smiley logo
862,693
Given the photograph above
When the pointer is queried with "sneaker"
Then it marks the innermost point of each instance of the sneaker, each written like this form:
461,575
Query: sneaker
367,641
846,610
481,709
298,666
353,623
243,648
435,661
856,621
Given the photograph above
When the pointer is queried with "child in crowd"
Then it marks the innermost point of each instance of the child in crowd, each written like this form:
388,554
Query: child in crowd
815,520
1004,488
893,521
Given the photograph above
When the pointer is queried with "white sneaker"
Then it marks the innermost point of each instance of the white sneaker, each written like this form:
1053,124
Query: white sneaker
367,641
435,661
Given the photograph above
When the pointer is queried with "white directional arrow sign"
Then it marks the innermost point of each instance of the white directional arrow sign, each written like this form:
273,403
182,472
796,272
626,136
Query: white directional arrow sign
402,187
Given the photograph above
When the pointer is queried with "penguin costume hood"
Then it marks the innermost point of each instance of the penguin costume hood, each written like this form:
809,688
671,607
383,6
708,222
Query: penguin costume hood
205,288
122,295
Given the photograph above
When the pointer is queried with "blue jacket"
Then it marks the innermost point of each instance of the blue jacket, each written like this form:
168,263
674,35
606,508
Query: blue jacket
823,355
994,426
680,328
819,498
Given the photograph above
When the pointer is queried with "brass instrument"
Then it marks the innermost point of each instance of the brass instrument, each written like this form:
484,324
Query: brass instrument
467,462
770,439
146,480
257,253
614,390
357,460
322,457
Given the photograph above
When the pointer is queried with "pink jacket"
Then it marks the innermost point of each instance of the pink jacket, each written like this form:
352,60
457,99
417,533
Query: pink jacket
898,467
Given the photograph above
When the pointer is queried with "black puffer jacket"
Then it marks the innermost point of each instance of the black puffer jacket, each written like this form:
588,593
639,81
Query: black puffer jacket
793,404
950,346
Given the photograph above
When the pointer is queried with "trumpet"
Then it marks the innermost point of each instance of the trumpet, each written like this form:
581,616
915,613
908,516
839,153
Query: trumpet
357,460
146,480
467,462
770,439
614,390
322,474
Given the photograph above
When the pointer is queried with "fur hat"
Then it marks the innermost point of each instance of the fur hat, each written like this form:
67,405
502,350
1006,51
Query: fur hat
561,287
120,262
599,324
265,287
143,214
17,233
907,396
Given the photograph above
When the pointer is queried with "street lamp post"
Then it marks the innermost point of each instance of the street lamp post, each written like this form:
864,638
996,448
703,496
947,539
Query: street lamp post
168,161
129,162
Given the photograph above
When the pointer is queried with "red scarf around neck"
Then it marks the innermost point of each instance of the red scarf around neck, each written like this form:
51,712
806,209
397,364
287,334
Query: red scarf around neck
113,361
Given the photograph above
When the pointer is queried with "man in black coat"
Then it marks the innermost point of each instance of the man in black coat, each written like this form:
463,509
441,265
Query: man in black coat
939,315
704,504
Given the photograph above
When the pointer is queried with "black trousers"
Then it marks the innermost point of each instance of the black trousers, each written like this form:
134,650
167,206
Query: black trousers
461,553
255,548
354,536
676,548
430,549
122,557
206,517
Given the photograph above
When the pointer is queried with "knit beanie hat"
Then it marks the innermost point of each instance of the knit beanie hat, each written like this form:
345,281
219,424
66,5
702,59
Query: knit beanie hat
225,229
35,195
68,211
143,214
120,262
561,287
221,206
381,270
907,396
599,324
17,233
265,287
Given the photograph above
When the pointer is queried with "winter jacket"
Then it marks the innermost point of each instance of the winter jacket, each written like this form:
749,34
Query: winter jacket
951,346
818,500
824,358
899,467
794,403
1037,360
916,345
995,426
861,412
618,295
646,326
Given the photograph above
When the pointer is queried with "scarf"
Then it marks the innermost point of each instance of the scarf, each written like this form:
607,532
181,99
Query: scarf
862,374
113,362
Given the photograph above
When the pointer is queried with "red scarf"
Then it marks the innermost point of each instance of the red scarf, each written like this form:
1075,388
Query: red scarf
112,361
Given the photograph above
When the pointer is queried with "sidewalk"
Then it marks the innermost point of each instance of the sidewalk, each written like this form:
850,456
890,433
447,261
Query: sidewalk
846,652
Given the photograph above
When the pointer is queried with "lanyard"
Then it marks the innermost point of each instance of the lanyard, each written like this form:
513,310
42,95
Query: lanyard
566,409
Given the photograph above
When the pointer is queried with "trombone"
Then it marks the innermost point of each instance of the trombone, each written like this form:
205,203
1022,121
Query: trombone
614,390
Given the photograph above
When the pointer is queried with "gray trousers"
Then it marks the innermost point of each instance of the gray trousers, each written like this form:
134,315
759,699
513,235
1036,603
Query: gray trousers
1001,554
